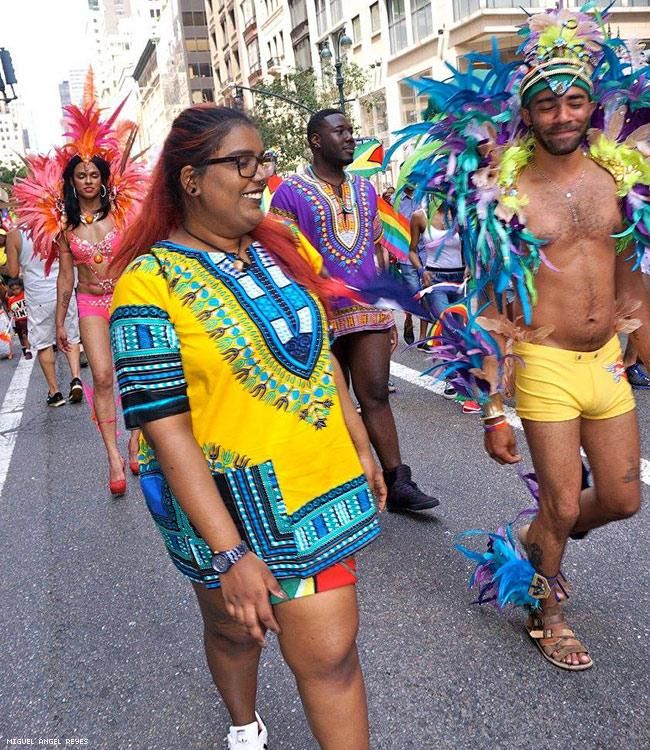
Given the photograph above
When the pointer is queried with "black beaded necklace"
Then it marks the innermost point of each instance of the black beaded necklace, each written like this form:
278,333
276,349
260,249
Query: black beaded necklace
239,263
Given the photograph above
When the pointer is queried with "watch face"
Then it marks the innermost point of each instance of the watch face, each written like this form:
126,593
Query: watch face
220,563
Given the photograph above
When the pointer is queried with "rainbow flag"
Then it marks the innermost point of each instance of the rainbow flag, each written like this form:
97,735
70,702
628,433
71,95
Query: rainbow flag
397,230
272,184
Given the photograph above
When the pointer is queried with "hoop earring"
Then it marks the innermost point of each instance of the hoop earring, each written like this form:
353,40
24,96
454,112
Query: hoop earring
74,190
103,187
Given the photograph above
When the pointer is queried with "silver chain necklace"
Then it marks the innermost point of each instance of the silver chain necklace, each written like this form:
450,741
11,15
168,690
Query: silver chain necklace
568,193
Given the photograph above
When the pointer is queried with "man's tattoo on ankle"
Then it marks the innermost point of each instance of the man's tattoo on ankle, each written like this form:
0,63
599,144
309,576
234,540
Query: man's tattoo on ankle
633,474
534,555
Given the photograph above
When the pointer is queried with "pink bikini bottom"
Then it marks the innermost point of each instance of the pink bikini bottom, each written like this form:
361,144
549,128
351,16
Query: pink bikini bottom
94,304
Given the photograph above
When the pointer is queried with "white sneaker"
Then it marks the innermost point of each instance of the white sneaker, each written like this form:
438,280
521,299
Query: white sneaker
249,737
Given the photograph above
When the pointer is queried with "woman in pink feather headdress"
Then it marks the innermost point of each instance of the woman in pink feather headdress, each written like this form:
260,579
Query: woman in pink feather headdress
75,205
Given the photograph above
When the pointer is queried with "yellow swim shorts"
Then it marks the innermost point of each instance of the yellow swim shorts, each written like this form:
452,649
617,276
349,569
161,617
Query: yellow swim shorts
557,385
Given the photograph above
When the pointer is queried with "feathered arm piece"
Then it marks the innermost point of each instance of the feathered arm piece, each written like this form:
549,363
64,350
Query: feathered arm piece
467,161
621,144
128,187
39,206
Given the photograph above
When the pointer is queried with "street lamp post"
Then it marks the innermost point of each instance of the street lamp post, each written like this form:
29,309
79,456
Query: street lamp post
342,45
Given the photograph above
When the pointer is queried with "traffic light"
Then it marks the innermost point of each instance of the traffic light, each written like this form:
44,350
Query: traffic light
9,76
7,67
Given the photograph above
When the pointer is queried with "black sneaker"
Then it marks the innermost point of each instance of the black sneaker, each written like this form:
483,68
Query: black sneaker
450,391
27,353
76,391
403,492
409,336
638,377
392,388
56,399
83,359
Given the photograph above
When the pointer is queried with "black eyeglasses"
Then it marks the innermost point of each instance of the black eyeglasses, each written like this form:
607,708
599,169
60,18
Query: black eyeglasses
247,164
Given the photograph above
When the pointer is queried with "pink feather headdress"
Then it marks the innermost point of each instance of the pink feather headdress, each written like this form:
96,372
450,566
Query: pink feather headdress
39,195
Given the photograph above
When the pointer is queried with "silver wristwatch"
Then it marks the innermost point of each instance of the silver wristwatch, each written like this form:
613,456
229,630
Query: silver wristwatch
222,561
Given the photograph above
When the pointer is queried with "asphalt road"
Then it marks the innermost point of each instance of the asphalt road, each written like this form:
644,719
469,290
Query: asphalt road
101,637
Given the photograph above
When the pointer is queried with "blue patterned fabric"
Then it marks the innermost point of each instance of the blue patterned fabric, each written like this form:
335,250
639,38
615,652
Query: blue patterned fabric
329,529
148,364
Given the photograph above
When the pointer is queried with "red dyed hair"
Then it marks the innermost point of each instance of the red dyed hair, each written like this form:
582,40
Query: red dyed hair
195,134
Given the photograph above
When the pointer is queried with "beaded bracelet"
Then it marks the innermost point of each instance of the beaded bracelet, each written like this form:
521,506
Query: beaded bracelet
496,426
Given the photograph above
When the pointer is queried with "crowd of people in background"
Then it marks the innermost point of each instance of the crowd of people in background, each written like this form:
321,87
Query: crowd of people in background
215,318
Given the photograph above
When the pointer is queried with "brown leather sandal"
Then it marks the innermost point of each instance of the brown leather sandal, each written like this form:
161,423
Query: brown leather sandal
557,645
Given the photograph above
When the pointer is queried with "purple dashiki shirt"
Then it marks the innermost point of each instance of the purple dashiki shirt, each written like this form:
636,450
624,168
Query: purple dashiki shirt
344,231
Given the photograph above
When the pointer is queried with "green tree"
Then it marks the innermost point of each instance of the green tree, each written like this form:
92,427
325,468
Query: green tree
10,170
283,125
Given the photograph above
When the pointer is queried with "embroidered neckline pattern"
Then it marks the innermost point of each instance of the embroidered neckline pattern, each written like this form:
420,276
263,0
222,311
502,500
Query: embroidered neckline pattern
345,238
275,346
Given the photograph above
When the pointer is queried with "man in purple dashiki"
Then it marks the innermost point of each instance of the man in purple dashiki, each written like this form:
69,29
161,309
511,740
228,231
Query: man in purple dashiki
337,212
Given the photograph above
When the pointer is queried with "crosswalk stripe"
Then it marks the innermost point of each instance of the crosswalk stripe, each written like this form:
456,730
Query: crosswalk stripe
11,415
436,386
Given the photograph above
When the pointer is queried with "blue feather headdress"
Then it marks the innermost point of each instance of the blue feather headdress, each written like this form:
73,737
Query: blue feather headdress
469,155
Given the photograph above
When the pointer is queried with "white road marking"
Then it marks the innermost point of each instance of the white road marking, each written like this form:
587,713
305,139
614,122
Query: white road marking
436,386
11,415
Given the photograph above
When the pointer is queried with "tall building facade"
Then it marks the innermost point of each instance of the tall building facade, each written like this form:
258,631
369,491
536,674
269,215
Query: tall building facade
13,135
154,53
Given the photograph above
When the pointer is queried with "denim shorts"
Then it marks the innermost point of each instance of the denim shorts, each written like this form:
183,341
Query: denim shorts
410,276
440,300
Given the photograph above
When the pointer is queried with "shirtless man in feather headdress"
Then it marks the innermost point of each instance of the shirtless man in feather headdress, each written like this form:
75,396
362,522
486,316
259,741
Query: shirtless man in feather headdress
572,390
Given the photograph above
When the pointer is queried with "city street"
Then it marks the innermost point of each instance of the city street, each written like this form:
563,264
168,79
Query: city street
101,636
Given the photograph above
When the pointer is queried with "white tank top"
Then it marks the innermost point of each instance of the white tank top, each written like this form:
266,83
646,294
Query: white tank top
39,288
445,255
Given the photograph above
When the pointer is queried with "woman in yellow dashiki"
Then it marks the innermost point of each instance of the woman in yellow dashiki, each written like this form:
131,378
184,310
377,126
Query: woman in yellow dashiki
254,464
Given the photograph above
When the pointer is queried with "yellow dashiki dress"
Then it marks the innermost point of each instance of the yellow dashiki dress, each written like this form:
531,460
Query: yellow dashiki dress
247,353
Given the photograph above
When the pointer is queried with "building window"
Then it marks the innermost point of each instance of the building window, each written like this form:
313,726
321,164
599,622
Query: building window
356,30
298,11
302,54
397,25
199,96
464,8
411,105
421,19
375,18
253,56
374,118
247,12
196,18
200,70
197,45
321,17
336,11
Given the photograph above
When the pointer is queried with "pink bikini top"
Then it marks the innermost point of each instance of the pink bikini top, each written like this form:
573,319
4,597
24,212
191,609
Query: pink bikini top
86,253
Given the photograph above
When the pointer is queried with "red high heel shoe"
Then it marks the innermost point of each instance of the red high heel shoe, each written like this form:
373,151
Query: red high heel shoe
117,486
134,463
